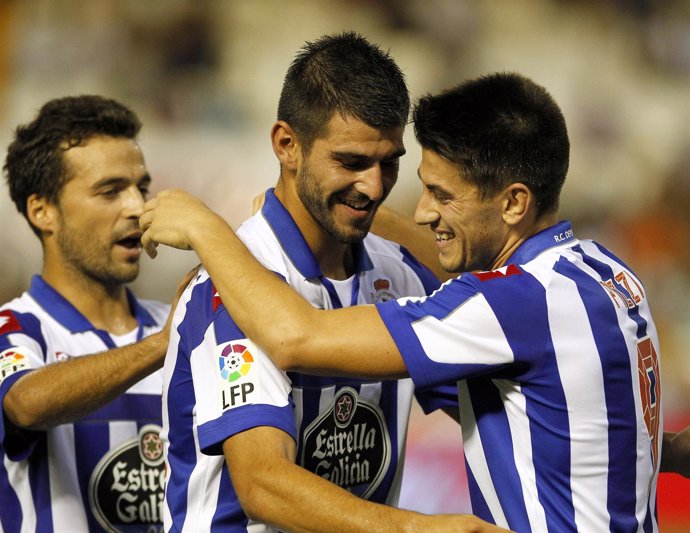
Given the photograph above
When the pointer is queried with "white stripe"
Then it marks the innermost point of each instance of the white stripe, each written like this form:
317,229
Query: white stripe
469,330
645,492
474,452
64,487
515,406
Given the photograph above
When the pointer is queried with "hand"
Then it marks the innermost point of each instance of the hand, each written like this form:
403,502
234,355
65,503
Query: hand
173,218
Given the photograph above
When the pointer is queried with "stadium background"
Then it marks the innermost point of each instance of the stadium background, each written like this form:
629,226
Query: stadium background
204,75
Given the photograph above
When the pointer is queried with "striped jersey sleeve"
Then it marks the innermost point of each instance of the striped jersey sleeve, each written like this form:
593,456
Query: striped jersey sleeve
557,362
217,383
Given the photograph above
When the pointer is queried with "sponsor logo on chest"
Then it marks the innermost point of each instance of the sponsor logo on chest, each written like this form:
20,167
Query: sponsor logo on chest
126,487
348,444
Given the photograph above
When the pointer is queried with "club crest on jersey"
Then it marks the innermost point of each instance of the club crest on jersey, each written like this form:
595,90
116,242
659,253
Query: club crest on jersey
348,444
382,291
235,362
650,391
12,361
8,322
127,486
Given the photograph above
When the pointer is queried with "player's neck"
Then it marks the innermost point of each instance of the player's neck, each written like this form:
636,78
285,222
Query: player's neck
106,307
334,257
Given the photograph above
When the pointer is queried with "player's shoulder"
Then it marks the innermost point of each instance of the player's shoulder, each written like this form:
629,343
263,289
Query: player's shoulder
388,254
258,236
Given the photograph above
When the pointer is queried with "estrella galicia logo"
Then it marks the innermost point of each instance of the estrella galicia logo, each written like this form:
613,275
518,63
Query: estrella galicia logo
126,487
348,444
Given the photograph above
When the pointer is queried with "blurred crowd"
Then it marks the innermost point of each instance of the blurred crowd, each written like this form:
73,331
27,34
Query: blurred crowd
204,75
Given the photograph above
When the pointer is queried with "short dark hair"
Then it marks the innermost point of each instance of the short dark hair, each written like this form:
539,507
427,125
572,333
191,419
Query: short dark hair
34,162
347,74
500,129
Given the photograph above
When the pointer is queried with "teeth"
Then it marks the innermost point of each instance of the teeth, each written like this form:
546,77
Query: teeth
356,205
444,236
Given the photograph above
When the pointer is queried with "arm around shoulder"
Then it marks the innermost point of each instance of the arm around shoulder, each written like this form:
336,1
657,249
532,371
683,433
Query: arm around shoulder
274,490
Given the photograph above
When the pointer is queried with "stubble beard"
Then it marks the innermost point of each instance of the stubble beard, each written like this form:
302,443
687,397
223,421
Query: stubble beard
318,205
93,260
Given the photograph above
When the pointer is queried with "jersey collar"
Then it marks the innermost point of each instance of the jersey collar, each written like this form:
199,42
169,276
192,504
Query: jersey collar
293,243
556,235
68,315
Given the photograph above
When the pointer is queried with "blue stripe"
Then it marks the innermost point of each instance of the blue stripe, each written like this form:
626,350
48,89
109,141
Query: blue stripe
528,334
428,279
31,327
39,480
389,406
10,512
228,516
494,429
400,318
479,505
181,400
618,390
91,443
145,408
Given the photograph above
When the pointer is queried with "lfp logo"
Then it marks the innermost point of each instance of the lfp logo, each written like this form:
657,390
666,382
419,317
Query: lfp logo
235,361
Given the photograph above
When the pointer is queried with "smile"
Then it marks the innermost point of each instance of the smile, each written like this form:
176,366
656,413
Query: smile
442,237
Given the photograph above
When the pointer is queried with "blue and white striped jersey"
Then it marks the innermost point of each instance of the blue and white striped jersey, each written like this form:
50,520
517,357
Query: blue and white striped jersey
557,361
218,383
103,472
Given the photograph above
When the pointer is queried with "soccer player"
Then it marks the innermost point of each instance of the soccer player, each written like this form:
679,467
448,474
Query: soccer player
338,138
550,337
80,398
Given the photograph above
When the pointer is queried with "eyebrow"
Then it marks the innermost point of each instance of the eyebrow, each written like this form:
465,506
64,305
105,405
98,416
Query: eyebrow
119,180
344,154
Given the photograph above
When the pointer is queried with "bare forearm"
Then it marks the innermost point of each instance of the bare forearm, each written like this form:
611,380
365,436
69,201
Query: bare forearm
320,506
64,391
261,464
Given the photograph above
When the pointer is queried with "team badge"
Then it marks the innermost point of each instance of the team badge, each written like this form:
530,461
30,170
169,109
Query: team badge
12,361
349,444
8,322
127,486
650,391
382,291
235,362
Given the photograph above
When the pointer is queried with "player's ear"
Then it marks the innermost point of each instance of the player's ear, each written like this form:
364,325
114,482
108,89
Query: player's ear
285,145
42,213
516,201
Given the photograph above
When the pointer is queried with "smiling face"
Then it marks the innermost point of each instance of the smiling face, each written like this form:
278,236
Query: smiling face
97,232
347,174
470,232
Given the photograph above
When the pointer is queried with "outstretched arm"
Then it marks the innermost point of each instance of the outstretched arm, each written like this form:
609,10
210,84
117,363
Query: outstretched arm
65,391
264,474
350,341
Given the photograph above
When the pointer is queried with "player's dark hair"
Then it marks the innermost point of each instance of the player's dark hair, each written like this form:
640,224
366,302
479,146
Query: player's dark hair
34,162
347,74
499,129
